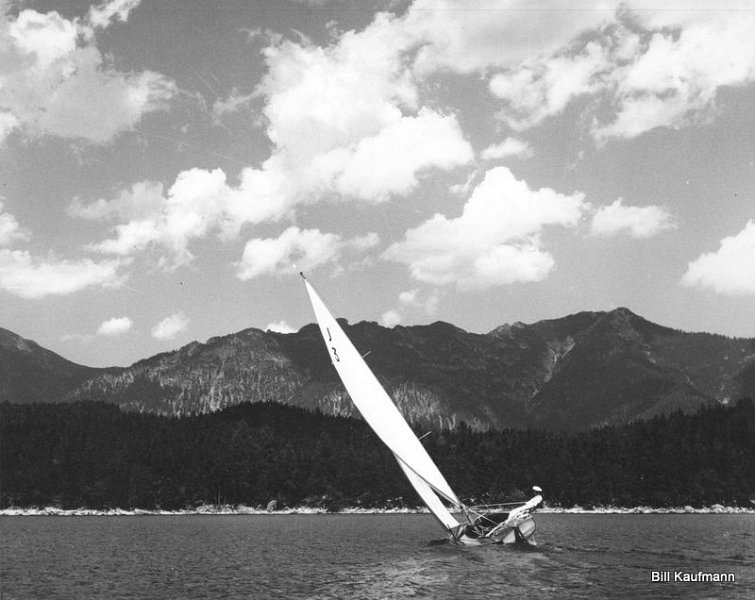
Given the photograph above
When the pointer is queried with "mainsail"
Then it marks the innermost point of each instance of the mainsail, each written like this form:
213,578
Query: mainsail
381,414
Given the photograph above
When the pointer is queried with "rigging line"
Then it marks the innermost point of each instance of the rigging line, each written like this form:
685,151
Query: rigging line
455,502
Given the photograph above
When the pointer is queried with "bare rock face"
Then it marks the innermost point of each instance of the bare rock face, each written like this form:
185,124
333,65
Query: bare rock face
573,373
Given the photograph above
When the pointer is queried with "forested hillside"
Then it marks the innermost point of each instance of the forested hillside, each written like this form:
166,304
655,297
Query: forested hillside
93,455
569,374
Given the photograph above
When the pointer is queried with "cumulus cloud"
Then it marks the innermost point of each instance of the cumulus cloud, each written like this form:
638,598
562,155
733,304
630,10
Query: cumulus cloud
10,230
484,34
345,124
636,221
511,146
495,241
307,248
647,68
389,162
200,203
105,13
29,277
409,300
675,79
55,81
170,327
730,270
141,201
341,117
115,326
544,87
280,327
390,318
413,299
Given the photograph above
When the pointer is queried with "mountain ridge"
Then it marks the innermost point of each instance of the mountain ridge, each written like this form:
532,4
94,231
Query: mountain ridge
575,372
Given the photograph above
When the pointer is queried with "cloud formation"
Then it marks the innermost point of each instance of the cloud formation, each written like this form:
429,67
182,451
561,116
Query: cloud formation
307,249
542,88
645,69
485,34
55,81
509,147
280,327
23,275
636,221
411,300
169,327
728,271
10,230
495,241
115,326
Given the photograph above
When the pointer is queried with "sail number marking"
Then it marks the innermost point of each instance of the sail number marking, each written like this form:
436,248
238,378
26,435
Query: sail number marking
333,348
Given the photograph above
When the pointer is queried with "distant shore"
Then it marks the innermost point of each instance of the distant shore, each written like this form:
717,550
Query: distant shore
208,509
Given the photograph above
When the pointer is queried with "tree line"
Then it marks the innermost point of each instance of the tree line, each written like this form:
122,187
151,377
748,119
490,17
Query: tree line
93,455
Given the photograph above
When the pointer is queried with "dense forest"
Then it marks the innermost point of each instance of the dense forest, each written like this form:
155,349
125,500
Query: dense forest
93,455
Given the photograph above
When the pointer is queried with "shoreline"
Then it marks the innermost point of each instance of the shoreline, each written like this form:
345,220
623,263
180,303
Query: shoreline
51,511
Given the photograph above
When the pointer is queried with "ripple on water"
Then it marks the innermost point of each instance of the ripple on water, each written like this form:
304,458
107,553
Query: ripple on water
315,557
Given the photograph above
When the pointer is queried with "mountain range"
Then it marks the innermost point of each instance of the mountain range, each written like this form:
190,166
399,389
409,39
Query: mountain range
577,372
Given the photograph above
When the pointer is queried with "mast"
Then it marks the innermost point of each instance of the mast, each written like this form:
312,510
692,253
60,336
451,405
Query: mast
383,417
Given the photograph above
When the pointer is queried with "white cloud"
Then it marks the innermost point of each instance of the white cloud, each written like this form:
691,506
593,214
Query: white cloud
511,146
106,12
408,300
636,221
141,201
390,318
337,115
413,299
170,327
115,326
280,327
308,249
495,241
198,204
233,103
478,35
388,163
676,78
10,230
730,270
54,80
29,277
650,68
542,88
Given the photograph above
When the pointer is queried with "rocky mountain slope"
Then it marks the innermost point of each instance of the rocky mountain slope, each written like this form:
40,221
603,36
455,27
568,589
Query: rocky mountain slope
30,373
580,371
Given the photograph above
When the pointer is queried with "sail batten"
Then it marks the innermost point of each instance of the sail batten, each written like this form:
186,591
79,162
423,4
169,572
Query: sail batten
381,414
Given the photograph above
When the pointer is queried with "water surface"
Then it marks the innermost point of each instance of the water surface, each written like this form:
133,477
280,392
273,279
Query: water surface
367,556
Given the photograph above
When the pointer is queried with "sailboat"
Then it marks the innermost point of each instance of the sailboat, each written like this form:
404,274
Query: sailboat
489,524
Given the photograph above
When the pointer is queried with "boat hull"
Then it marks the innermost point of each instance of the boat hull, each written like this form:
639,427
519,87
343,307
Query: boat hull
519,531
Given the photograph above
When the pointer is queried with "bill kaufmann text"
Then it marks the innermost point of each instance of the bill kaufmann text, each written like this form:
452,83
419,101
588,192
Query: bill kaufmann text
688,577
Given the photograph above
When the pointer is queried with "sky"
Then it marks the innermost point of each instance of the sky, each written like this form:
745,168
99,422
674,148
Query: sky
166,166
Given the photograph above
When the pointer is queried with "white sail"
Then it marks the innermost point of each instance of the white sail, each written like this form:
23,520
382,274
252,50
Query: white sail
430,498
381,414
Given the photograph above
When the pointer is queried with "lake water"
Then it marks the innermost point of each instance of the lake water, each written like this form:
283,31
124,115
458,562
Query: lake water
367,556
